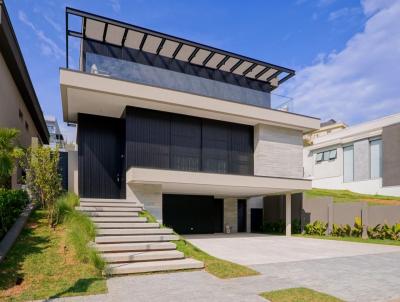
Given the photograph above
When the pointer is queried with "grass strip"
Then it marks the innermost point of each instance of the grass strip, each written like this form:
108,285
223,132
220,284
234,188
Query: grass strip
299,294
352,239
220,268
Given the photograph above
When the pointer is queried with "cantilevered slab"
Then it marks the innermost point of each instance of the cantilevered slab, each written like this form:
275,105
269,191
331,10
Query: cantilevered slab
101,95
181,182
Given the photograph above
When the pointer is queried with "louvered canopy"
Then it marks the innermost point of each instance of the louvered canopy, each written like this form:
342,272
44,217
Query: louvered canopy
121,34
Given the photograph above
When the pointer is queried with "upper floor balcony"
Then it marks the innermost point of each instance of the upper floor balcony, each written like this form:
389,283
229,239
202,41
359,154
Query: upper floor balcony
118,64
127,52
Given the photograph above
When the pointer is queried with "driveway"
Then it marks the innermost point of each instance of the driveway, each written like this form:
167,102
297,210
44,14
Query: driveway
350,271
257,249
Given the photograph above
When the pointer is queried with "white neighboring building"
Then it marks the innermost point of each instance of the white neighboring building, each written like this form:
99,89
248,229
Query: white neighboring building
56,138
364,158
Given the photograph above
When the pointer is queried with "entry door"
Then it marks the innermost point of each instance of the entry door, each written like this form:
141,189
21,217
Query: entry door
99,156
242,206
256,222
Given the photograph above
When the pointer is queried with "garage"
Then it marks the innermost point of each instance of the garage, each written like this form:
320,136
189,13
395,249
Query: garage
193,214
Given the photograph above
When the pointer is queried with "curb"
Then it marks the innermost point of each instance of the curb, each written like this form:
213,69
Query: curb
13,233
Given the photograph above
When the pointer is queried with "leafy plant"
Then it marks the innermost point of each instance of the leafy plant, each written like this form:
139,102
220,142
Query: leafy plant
9,153
357,230
317,228
12,202
42,178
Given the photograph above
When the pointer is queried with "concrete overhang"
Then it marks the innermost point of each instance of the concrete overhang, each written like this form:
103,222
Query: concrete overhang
220,185
100,95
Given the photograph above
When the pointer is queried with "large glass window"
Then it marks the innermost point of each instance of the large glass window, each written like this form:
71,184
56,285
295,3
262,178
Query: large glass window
376,158
348,163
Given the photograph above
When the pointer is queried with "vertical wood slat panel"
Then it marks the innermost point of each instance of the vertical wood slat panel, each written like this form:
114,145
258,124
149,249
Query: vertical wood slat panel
163,140
99,156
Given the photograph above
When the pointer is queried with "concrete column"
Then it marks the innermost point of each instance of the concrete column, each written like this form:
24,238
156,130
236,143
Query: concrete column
230,213
330,219
288,214
364,220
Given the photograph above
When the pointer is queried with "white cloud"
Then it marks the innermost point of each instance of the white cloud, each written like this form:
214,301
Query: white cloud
47,45
116,6
53,23
343,12
361,81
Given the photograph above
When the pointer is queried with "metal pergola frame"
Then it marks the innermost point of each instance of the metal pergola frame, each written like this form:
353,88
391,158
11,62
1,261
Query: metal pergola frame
225,55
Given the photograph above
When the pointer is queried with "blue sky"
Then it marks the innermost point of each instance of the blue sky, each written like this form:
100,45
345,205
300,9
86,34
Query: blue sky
345,53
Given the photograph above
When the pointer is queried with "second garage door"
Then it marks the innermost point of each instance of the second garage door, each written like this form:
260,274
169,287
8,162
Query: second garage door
193,214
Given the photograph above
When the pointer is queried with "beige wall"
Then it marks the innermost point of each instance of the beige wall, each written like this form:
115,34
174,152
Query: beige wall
230,214
10,104
278,152
149,195
73,172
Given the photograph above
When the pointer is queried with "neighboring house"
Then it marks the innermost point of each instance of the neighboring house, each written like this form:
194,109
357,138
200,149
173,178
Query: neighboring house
327,127
56,138
364,158
19,106
184,128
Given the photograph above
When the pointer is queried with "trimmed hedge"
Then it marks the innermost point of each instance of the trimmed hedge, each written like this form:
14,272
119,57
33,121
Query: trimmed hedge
12,203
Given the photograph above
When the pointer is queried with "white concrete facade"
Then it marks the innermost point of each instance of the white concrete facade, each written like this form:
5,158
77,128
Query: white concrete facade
328,174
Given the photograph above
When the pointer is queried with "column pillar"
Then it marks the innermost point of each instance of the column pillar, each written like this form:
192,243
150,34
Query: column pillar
288,214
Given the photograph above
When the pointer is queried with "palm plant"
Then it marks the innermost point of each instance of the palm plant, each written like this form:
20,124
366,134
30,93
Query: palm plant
9,153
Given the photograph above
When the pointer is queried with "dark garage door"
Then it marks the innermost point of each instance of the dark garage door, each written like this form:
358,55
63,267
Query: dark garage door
193,214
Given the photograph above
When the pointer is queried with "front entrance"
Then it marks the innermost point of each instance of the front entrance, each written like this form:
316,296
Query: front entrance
193,214
100,156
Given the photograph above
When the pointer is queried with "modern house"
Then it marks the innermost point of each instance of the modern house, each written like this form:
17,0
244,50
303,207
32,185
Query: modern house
56,137
19,106
327,127
363,158
183,128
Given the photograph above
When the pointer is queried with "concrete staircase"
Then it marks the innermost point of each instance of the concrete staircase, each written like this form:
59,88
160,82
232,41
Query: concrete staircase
129,243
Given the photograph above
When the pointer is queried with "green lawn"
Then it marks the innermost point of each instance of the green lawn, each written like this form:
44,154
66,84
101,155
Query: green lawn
220,268
353,239
45,261
348,196
300,294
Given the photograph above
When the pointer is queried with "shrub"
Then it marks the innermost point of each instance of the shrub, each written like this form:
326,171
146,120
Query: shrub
357,230
277,227
317,228
296,226
9,153
12,202
42,178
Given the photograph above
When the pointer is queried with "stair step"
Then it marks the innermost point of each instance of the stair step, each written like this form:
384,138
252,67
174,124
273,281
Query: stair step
141,256
118,219
154,266
135,247
145,231
104,200
108,209
135,238
127,225
111,214
110,204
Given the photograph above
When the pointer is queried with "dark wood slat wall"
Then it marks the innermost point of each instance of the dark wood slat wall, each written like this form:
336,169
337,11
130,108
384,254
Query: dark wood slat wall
99,156
164,140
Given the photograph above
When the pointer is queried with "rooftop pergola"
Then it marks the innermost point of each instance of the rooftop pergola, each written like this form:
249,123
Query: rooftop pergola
122,34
